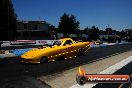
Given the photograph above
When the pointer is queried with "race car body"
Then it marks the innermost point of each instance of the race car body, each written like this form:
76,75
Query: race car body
60,50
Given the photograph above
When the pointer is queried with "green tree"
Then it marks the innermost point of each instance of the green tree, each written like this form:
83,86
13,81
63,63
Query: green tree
51,27
93,33
109,31
86,30
8,22
68,24
102,32
123,34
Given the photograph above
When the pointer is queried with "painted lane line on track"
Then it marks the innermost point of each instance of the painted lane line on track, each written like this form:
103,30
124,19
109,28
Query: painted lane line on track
110,70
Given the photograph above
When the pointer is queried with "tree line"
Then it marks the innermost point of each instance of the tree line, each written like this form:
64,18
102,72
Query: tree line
68,24
8,20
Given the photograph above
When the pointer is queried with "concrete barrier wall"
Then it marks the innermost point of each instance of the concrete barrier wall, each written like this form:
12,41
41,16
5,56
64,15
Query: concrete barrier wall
27,42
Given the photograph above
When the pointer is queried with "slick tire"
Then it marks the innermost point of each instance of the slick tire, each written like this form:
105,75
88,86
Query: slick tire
81,80
43,60
81,52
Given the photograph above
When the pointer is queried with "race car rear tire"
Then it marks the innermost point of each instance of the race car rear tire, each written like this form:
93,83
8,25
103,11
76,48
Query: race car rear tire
81,52
43,60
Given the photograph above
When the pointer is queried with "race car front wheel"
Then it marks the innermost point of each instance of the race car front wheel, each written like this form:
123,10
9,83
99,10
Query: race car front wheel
43,60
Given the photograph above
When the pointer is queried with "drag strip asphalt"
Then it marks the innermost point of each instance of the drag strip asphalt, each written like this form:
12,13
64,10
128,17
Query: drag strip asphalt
12,68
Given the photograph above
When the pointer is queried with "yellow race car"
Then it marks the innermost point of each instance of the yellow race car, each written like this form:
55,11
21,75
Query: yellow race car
60,50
